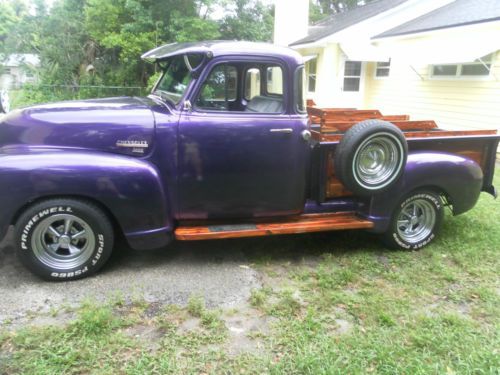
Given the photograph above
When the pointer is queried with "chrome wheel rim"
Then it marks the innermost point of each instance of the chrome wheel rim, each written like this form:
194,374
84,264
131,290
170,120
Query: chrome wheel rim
63,241
378,160
4,100
416,221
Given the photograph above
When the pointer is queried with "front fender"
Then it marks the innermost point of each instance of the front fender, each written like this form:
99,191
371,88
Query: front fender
129,188
460,178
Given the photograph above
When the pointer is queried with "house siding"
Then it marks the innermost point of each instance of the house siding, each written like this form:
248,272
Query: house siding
327,73
454,103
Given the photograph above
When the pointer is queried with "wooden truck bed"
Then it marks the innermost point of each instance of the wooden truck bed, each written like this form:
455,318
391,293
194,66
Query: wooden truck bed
329,125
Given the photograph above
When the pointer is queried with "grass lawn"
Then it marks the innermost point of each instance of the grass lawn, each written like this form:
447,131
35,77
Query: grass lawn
331,303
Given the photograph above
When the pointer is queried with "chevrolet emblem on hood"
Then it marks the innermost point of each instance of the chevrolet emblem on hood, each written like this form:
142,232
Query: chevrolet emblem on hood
132,144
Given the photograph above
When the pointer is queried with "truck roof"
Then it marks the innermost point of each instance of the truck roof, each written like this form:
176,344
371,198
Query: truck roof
222,48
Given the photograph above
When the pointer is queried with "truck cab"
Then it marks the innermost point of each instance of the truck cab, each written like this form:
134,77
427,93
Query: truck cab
243,139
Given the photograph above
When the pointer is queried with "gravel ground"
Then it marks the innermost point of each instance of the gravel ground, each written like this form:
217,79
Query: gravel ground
213,270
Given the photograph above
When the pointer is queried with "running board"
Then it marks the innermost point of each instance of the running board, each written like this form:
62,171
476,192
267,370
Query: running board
296,224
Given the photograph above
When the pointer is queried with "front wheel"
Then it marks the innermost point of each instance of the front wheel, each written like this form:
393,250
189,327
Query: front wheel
64,239
416,221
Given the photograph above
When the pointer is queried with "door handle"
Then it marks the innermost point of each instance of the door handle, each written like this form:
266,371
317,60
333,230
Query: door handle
282,130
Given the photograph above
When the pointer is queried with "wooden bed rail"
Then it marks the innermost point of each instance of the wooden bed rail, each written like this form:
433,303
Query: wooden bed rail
336,137
405,125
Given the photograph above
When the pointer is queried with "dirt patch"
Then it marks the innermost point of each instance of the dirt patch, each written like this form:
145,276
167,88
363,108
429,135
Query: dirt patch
188,325
161,277
149,335
246,331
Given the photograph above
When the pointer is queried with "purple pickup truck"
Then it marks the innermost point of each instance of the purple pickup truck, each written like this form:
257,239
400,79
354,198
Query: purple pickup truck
223,147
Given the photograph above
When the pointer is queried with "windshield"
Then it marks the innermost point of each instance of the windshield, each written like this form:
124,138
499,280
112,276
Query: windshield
174,81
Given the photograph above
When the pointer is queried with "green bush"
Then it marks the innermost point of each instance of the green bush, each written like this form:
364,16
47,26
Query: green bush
37,94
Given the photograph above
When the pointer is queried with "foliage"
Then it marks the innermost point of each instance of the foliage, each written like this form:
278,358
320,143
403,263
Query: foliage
248,20
100,41
321,9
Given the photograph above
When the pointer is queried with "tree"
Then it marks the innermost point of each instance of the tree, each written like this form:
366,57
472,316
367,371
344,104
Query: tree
100,41
8,19
321,9
127,28
248,20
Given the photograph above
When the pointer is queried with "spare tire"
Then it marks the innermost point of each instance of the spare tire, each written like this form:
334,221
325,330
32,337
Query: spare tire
371,157
4,101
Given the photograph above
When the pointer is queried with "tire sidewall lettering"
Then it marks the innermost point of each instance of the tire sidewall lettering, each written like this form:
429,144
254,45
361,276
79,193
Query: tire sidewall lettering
28,228
429,197
437,204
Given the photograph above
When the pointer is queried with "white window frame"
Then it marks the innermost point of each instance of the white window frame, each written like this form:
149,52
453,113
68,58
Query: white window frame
376,68
458,76
360,77
314,75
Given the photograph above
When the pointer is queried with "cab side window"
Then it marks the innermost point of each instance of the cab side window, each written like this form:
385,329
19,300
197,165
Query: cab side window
245,87
220,89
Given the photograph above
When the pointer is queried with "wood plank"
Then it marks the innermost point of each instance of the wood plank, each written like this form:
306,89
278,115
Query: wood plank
325,137
343,126
335,189
396,118
448,133
312,111
293,225
348,114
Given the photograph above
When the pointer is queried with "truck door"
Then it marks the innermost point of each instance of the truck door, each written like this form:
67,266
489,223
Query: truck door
241,150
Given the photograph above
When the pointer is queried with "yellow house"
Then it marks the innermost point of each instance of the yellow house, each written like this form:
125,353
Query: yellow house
432,59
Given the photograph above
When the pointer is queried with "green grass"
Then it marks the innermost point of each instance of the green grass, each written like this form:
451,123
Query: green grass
337,304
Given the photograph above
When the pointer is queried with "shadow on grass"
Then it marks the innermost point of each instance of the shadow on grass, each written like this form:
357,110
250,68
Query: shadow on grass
284,248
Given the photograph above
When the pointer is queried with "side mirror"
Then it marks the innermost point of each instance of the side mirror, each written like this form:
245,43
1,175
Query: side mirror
187,107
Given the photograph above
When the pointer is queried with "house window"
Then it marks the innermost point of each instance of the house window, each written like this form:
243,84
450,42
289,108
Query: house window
6,71
382,69
352,76
311,67
478,68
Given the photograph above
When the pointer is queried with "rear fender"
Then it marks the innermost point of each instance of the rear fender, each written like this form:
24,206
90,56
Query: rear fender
459,178
130,189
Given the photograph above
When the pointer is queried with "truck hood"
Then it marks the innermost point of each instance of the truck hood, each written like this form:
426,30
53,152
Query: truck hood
122,125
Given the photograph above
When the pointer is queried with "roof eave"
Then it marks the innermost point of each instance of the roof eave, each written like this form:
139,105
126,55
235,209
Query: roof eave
404,35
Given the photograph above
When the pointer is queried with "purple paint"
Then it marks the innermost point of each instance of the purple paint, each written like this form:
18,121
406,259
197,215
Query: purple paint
149,163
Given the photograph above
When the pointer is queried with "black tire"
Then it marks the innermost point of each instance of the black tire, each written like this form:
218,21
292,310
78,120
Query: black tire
64,239
373,141
4,101
416,221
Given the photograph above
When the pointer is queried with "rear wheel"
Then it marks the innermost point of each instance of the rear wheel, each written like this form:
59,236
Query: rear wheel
64,239
416,221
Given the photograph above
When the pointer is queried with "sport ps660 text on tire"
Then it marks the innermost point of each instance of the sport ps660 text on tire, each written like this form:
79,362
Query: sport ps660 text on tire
416,221
64,239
